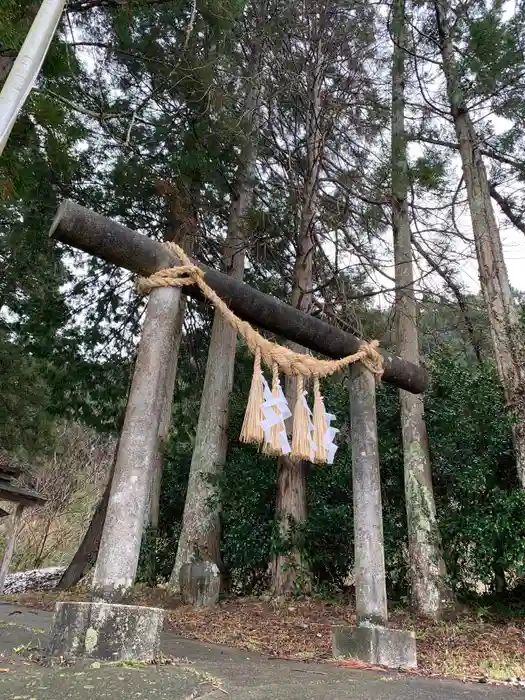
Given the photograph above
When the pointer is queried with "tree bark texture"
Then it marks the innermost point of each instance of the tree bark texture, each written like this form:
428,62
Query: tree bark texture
427,567
200,523
165,421
508,338
289,571
201,529
181,227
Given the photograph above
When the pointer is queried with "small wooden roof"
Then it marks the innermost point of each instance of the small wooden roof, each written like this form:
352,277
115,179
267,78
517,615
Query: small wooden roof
26,497
8,469
9,492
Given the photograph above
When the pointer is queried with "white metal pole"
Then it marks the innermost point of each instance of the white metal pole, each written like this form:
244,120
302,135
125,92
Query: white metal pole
27,65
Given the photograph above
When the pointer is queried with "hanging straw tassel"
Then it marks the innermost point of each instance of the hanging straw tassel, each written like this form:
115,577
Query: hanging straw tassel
251,428
320,424
273,447
301,445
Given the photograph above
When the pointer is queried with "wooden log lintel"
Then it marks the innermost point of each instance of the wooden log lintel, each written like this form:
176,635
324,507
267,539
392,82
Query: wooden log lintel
100,236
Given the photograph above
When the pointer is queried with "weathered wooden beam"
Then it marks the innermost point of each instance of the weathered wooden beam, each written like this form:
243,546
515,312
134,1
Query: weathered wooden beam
117,244
26,497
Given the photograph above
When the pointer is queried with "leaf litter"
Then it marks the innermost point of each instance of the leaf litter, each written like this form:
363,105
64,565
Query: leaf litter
468,647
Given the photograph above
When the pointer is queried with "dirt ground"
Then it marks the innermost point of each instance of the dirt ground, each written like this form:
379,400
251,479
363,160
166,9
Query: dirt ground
472,646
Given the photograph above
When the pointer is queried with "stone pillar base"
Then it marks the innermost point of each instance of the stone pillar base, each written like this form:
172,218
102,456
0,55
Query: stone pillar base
105,631
375,645
200,583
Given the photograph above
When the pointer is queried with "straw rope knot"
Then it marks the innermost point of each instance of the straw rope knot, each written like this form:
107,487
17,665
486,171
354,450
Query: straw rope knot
271,354
169,277
372,358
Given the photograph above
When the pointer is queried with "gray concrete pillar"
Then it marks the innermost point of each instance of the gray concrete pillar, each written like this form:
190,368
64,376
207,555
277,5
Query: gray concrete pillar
370,585
105,631
371,641
119,551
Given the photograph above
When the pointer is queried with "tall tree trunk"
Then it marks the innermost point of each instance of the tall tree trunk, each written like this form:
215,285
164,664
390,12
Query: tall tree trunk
508,338
289,571
500,580
201,522
427,567
154,509
182,227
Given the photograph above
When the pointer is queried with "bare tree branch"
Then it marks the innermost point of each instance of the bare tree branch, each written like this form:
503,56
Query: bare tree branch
506,208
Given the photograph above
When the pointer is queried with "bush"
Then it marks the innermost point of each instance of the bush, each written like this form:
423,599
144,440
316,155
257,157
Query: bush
480,504
480,508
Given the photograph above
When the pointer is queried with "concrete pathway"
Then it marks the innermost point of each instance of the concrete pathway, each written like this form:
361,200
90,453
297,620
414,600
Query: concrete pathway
201,671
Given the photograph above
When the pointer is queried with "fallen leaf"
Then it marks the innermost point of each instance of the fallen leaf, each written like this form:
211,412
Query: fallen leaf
464,647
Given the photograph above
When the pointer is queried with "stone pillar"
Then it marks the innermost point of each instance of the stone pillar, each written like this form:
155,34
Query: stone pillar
370,585
10,546
200,583
105,631
119,551
371,641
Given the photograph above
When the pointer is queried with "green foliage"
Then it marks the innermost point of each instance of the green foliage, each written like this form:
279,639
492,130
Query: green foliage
429,173
70,328
25,422
248,500
495,51
480,508
155,560
478,499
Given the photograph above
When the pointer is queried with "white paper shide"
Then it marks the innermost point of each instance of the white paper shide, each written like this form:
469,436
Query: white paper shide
275,411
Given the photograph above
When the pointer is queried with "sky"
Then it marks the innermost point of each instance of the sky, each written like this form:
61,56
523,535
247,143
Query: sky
514,252
513,240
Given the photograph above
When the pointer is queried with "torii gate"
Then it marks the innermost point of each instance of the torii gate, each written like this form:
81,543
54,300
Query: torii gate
119,551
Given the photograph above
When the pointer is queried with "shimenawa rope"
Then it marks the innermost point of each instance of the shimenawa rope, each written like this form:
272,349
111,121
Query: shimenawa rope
275,357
